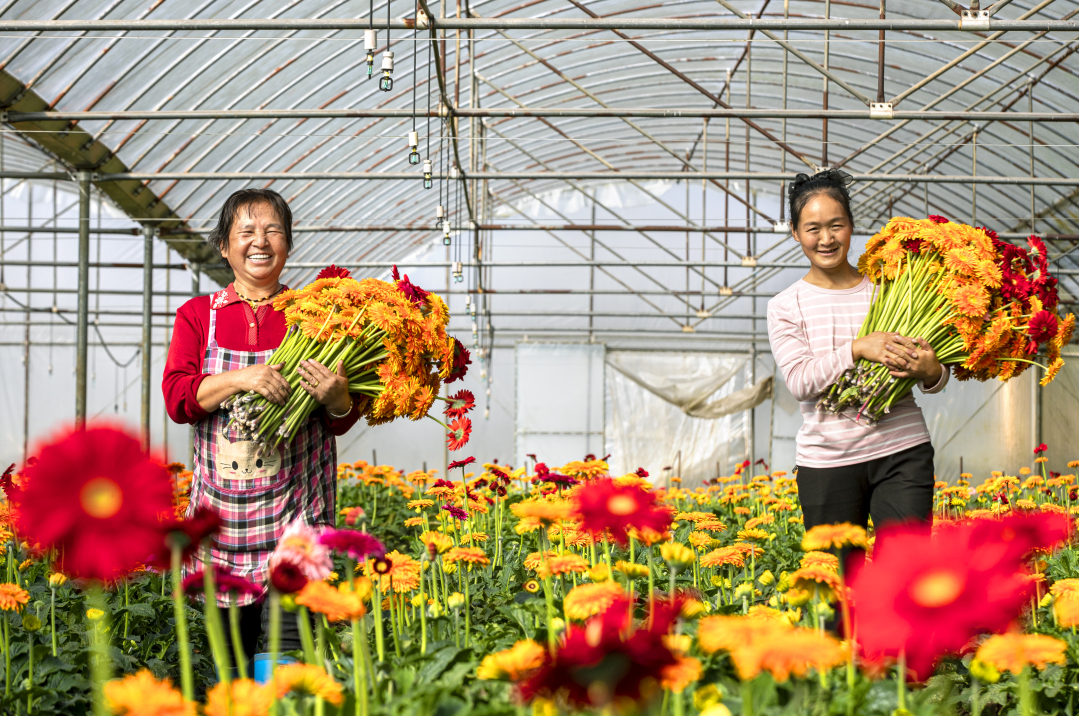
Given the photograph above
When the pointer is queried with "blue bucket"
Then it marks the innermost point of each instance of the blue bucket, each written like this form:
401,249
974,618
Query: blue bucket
262,666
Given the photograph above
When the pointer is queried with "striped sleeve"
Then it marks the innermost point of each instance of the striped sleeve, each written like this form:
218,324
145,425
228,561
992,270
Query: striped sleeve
806,375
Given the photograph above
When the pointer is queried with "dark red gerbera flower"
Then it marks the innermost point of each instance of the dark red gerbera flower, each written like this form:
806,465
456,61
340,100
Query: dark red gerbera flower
460,431
927,595
455,512
607,661
287,577
914,246
225,582
461,361
12,491
1046,288
460,463
555,479
641,472
1039,253
186,534
332,271
937,219
460,403
1042,327
412,292
354,543
98,499
540,468
603,505
990,233
1040,449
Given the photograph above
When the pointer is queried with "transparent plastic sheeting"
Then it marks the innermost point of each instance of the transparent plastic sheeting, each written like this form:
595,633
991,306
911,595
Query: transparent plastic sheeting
991,425
559,401
645,430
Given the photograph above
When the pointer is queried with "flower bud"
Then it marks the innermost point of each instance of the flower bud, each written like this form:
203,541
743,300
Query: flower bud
94,615
31,623
455,601
57,579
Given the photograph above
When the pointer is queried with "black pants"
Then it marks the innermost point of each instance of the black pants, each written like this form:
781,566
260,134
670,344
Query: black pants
255,631
893,488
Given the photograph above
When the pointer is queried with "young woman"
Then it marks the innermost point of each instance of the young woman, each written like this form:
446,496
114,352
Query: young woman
848,471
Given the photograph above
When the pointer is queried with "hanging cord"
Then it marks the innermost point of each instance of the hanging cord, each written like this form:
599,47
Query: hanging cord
371,15
427,91
415,65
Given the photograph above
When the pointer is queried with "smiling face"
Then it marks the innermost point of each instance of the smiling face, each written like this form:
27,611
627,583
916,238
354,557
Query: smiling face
824,231
257,245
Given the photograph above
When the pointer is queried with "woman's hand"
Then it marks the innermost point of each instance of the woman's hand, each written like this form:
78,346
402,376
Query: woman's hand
916,359
880,347
327,387
266,380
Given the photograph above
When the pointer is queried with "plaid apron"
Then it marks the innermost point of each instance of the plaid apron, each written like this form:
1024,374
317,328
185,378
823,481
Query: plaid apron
257,496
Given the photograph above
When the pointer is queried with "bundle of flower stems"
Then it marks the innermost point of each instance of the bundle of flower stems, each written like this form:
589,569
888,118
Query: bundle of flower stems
985,306
391,338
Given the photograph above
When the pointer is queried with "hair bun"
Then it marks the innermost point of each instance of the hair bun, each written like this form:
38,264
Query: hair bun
797,184
835,176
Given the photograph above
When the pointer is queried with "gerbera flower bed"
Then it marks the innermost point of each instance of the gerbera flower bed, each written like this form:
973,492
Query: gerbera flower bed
504,590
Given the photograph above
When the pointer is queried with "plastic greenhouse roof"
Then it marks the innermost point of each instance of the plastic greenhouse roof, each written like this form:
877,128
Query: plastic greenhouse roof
206,70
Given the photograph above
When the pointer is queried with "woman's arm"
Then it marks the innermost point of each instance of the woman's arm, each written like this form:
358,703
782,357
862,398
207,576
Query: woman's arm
266,380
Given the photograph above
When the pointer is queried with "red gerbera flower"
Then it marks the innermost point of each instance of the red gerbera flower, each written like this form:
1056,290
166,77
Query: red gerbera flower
461,361
1040,449
641,472
1042,327
937,219
603,505
460,430
990,233
607,661
287,577
460,403
354,543
929,594
412,292
460,463
12,491
913,245
225,582
187,534
332,271
98,499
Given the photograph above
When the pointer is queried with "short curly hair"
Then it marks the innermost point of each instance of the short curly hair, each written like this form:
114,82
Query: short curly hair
219,235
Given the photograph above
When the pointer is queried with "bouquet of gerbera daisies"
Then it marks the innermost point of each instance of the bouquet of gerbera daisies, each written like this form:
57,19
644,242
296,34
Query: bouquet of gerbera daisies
985,306
392,340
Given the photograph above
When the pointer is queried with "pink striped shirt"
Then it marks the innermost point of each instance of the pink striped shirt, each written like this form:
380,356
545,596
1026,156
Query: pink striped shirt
811,330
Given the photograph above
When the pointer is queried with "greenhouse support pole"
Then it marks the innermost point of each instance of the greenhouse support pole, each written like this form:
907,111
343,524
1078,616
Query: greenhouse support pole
147,329
82,322
195,268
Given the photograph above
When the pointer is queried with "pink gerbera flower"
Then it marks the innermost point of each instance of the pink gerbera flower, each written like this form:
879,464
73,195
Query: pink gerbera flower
300,546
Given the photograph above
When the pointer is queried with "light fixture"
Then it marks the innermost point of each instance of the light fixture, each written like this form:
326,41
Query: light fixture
385,83
458,268
370,39
446,234
413,144
427,182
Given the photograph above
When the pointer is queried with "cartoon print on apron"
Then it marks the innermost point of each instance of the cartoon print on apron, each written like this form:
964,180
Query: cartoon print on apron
257,494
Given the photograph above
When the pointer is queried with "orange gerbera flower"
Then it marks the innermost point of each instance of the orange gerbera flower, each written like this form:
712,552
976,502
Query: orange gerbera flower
823,580
338,604
142,695
513,664
419,504
403,575
1013,652
470,555
248,699
758,535
546,511
1067,611
1065,589
724,556
13,597
307,679
677,676
711,525
558,564
824,537
440,540
587,600
822,560
757,645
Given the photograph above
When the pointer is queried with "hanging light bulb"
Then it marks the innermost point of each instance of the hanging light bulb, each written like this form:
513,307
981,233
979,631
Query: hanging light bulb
440,212
458,269
370,40
427,182
413,143
385,83
446,234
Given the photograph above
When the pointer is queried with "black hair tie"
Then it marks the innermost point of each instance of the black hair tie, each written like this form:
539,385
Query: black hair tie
836,177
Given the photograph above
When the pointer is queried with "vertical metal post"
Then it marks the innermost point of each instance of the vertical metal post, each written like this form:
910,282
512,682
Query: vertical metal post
751,413
26,339
592,270
783,155
83,321
1030,131
147,313
880,58
824,99
974,185
727,182
772,418
196,267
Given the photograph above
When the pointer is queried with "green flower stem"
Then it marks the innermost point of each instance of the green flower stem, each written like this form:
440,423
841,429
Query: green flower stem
303,620
393,622
52,616
7,656
99,665
901,681
127,586
275,642
214,630
651,586
237,642
30,674
423,604
358,681
747,699
380,645
186,681
468,604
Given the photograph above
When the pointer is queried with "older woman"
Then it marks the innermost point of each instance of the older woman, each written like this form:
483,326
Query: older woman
220,346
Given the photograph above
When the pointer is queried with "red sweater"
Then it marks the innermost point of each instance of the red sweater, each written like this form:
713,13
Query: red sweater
239,328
